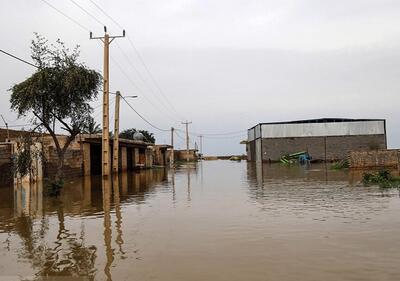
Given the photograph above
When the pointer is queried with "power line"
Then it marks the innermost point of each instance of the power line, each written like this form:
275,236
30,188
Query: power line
226,137
133,83
211,135
151,76
141,60
98,7
65,15
144,119
86,12
142,79
17,58
76,22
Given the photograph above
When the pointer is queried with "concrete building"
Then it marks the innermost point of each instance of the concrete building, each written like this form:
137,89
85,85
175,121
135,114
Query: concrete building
327,139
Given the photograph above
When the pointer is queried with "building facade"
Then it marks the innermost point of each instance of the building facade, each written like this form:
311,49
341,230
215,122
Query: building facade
327,139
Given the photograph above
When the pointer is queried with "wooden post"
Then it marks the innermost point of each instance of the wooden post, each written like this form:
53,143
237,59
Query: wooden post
116,134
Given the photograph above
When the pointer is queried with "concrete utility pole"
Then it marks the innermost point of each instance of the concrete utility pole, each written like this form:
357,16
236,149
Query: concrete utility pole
115,162
171,157
106,39
201,145
187,139
116,134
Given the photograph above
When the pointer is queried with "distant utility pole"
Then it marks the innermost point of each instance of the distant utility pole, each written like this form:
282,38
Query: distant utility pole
106,39
116,134
8,132
171,157
201,145
187,139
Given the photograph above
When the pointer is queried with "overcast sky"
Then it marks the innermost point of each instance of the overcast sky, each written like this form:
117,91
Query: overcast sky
226,65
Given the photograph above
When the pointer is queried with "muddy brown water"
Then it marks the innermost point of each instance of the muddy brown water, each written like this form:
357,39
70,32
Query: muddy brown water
216,220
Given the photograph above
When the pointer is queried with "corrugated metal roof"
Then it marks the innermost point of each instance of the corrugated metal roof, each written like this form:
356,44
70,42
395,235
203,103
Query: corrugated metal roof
319,120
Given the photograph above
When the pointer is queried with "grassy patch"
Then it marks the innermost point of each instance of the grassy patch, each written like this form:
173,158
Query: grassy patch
382,178
344,164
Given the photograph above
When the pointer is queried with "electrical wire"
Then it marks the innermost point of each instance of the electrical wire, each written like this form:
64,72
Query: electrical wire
144,119
17,58
98,7
134,84
225,134
138,88
205,135
86,12
65,15
144,80
125,55
141,60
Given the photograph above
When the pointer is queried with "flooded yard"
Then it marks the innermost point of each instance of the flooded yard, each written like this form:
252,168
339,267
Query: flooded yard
214,220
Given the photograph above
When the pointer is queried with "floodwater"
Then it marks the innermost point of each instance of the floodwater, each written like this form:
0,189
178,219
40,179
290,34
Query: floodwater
215,220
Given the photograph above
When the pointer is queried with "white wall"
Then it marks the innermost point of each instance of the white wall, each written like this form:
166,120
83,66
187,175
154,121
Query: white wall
323,129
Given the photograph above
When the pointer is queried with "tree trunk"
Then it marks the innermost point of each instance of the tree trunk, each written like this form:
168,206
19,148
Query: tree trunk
60,167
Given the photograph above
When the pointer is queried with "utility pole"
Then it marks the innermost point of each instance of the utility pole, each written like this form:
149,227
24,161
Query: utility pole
187,139
201,145
116,134
171,157
106,39
8,132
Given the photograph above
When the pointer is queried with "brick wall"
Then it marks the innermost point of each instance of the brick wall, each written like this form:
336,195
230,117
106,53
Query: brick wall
375,158
13,134
6,177
73,162
336,148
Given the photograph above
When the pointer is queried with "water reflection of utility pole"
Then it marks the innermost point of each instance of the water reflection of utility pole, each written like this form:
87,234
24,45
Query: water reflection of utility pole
87,190
124,184
201,173
173,186
188,183
118,214
107,226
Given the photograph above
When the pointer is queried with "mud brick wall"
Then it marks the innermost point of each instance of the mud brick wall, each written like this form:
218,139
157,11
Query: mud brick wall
375,158
73,163
14,134
336,147
6,178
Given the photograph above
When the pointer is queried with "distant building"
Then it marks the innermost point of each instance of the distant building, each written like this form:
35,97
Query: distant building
326,139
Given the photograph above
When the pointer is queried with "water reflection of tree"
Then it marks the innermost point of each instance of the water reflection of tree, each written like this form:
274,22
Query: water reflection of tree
69,257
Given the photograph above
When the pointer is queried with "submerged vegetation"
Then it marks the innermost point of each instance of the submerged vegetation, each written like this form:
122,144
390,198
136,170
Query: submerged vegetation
382,178
344,164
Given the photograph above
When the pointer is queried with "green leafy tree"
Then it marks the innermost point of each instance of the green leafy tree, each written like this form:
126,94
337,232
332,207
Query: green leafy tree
92,127
128,134
59,92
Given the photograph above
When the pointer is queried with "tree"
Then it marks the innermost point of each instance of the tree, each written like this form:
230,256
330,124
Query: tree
128,134
92,127
59,92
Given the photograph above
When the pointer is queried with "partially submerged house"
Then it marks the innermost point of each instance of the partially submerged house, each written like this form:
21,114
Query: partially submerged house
326,139
83,156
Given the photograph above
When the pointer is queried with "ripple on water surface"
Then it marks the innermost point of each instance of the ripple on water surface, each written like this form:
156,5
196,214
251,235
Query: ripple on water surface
216,220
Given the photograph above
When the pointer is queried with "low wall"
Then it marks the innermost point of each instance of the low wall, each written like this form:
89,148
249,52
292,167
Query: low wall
375,158
6,177
73,163
332,148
